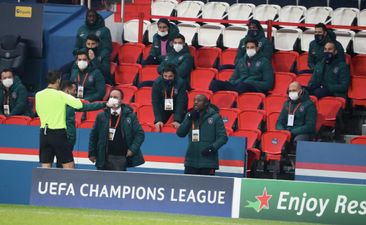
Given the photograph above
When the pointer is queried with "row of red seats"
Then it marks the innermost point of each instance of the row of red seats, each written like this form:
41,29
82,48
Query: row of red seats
206,57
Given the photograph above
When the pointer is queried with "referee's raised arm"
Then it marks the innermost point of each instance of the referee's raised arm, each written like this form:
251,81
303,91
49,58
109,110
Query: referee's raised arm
51,109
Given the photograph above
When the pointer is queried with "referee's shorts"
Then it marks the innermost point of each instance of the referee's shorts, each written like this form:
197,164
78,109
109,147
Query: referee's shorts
53,142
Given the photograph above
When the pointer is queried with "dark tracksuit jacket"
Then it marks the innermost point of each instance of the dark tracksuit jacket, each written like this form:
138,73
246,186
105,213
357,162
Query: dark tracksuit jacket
132,133
180,99
155,51
305,116
316,50
94,86
265,46
334,76
259,73
212,133
102,62
18,99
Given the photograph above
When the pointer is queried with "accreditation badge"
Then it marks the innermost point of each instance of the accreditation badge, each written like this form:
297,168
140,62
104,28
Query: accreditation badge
168,104
195,135
7,110
80,93
111,133
290,120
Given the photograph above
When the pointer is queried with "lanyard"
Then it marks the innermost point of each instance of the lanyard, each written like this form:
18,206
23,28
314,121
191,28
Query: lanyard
7,98
171,93
289,107
118,119
86,76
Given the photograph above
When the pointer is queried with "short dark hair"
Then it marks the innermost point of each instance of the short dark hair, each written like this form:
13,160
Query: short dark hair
7,70
119,90
67,84
53,76
180,36
251,41
82,52
321,25
93,37
331,42
170,68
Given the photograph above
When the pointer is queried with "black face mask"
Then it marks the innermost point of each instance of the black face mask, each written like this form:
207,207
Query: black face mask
195,114
253,33
168,82
318,38
329,57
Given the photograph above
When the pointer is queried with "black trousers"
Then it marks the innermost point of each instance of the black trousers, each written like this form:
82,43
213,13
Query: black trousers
114,162
219,85
199,171
319,92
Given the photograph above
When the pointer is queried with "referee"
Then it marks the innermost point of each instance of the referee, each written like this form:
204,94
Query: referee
51,109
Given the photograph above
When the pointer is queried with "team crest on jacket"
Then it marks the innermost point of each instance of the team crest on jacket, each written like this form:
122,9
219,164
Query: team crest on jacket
180,58
260,44
97,33
90,78
210,121
14,95
175,91
7,54
336,69
258,64
128,119
302,108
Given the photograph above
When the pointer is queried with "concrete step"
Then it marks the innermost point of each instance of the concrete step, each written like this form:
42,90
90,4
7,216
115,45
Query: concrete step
347,138
363,129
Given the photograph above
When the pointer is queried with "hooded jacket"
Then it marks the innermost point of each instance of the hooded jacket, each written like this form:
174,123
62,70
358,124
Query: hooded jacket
305,116
18,99
265,46
316,49
155,51
212,134
131,129
102,62
99,29
259,73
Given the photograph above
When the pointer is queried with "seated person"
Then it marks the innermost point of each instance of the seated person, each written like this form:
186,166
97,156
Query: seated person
298,115
331,76
169,97
90,81
255,32
13,54
322,35
99,57
253,73
94,24
181,58
13,95
161,45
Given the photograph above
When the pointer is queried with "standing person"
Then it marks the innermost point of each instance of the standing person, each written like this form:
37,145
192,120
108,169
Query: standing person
94,24
206,133
13,95
169,97
116,137
51,109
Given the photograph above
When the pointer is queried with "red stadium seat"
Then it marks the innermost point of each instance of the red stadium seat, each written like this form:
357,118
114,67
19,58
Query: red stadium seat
224,99
18,120
146,52
358,65
228,56
148,127
193,51
128,92
126,73
224,75
282,81
115,48
2,119
35,122
130,53
143,96
253,155
92,115
207,57
361,140
202,77
108,89
250,100
229,116
329,107
168,128
251,135
357,91
272,121
87,124
149,73
273,143
348,59
274,103
250,119
113,67
145,115
302,62
284,60
193,93
304,79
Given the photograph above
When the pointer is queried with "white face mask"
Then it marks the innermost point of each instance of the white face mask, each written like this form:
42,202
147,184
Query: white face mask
114,102
251,52
178,47
8,82
82,64
162,34
293,95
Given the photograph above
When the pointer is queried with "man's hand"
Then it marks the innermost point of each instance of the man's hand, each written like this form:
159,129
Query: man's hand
158,126
91,54
92,159
208,151
129,153
176,124
109,105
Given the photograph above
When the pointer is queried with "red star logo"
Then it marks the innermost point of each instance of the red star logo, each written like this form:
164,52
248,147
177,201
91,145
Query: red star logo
264,198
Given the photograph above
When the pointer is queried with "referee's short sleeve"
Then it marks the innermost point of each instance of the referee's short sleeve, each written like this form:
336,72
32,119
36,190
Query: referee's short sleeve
72,101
